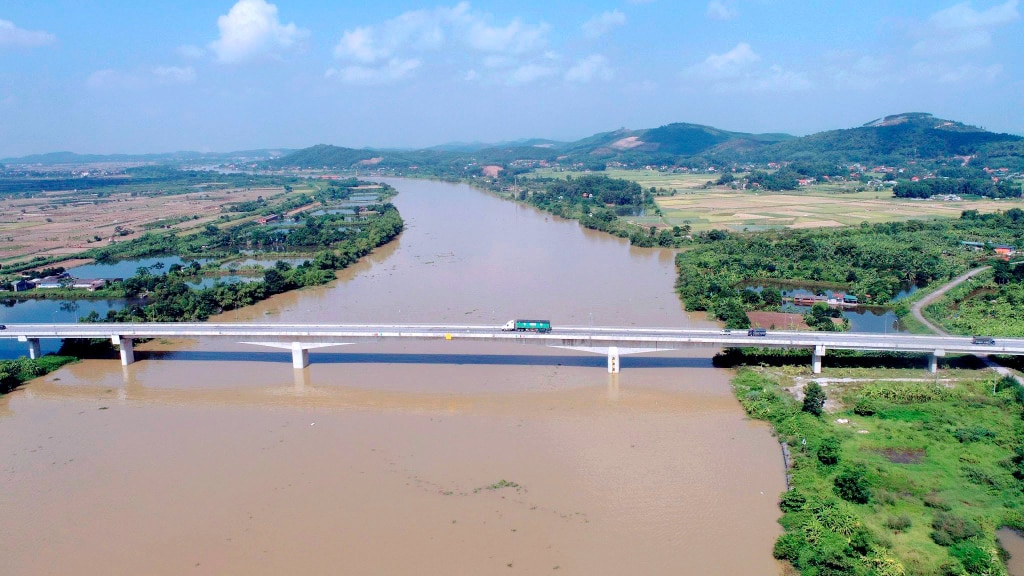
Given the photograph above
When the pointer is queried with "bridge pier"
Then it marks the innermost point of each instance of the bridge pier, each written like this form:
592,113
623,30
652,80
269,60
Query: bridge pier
613,360
300,356
127,349
816,356
33,348
933,360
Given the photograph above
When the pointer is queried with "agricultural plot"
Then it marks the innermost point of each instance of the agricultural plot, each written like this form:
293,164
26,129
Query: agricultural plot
67,222
818,206
744,210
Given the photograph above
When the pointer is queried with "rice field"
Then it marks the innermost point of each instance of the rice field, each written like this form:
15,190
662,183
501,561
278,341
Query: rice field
820,206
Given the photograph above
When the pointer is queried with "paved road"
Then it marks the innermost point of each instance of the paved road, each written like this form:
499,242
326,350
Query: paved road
582,337
917,308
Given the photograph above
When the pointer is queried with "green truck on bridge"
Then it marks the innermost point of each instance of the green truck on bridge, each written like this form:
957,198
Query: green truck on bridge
541,326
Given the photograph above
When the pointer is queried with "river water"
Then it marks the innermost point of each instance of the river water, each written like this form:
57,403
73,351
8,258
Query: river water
398,458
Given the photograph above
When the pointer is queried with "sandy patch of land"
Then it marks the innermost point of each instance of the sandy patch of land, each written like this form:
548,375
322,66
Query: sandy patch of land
627,143
66,223
777,321
817,224
491,171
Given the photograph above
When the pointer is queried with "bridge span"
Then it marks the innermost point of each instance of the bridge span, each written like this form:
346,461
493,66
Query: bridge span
610,341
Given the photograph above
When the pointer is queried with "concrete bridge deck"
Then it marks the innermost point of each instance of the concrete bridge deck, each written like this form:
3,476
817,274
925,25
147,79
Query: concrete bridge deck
611,341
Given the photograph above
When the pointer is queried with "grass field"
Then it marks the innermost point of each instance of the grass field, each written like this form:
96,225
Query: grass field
819,206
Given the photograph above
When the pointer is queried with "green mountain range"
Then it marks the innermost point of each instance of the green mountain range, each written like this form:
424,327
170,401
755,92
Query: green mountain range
894,139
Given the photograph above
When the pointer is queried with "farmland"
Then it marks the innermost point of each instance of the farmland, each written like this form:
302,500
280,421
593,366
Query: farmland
57,224
819,206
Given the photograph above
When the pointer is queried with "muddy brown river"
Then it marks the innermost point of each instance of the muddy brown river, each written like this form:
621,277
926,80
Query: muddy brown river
403,458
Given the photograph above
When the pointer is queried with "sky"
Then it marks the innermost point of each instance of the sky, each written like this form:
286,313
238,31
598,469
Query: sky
118,76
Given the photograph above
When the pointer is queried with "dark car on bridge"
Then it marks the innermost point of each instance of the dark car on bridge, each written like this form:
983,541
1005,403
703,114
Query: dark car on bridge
984,340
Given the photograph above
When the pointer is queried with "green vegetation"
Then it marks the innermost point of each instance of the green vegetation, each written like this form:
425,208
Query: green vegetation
873,262
170,298
597,202
959,186
905,478
13,373
988,304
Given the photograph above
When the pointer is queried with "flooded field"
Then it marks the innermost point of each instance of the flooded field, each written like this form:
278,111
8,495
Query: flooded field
404,457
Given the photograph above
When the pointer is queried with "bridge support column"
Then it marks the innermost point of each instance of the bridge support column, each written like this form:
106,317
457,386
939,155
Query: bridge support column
33,348
816,356
933,360
300,356
127,349
613,360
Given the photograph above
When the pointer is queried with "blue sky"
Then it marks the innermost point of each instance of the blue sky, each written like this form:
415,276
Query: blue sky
213,75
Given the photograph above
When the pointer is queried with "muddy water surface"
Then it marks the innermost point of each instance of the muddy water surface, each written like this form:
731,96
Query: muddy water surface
436,457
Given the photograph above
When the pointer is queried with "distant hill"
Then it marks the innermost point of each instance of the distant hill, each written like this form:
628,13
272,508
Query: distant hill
71,158
894,139
675,140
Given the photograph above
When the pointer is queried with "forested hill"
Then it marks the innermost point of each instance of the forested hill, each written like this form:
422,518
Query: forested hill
897,139
666,144
893,140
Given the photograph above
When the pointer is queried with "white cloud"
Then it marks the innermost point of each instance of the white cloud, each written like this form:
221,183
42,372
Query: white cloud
109,78
965,16
603,23
739,70
853,70
593,67
961,28
732,61
375,52
718,10
955,74
391,71
190,52
252,28
13,37
514,38
175,74
528,74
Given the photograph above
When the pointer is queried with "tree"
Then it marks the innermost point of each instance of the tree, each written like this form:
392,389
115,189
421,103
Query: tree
852,485
828,451
814,399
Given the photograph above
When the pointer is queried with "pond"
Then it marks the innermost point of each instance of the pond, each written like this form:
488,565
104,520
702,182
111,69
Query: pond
127,268
862,319
14,311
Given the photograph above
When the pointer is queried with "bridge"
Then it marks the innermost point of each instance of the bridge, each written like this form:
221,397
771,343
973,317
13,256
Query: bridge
610,341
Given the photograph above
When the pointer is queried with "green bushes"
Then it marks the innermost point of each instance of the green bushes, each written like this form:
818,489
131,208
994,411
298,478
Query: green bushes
828,451
852,484
814,399
15,372
907,496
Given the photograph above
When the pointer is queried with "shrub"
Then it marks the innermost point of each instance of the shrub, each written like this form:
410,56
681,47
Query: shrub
973,434
948,529
814,399
865,406
852,485
974,559
792,501
933,500
828,451
899,523
788,547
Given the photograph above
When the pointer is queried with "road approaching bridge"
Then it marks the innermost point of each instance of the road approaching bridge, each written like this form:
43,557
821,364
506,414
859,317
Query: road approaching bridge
611,341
